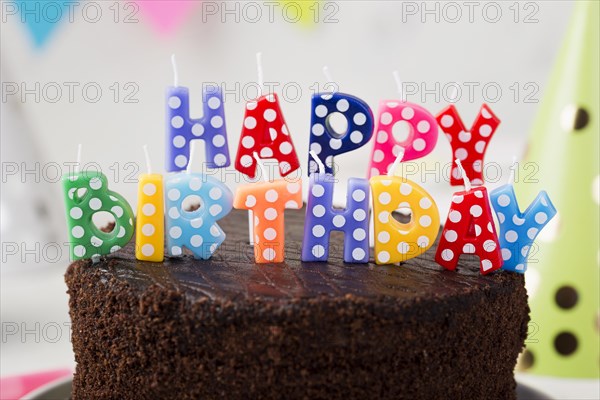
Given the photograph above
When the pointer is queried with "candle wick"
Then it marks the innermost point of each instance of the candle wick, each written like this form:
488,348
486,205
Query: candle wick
397,161
466,180
329,77
175,74
147,156
396,75
259,69
188,169
78,163
454,94
318,161
511,176
262,167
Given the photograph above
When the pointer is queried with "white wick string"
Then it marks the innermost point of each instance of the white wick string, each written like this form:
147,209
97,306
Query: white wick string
466,180
396,75
175,74
259,68
454,94
147,156
511,176
329,77
192,148
78,158
262,167
318,161
397,161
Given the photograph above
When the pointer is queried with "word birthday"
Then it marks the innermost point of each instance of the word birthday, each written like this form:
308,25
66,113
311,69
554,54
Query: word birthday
469,227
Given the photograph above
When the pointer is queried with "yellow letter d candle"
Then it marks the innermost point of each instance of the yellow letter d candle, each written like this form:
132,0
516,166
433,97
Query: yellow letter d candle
395,241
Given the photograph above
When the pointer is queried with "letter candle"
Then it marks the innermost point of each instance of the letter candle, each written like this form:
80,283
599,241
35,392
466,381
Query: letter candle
183,130
265,133
468,146
469,229
518,230
150,220
197,230
268,200
421,139
396,241
85,194
321,218
324,141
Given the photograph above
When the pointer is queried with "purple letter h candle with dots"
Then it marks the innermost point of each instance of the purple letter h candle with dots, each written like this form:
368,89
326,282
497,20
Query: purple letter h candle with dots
182,129
321,219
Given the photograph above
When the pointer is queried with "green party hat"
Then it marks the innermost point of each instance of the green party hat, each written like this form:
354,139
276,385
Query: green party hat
563,275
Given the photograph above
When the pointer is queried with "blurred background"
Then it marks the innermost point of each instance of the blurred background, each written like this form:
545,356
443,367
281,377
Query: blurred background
97,76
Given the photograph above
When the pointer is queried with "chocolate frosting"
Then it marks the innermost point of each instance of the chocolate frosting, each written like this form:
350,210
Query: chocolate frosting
231,273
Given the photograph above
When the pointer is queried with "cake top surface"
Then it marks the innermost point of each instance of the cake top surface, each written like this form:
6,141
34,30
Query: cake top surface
231,273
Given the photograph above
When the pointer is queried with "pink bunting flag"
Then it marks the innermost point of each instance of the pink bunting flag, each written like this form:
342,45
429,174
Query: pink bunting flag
166,15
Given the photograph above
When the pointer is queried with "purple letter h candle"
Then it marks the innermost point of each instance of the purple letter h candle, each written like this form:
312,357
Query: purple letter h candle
181,129
321,219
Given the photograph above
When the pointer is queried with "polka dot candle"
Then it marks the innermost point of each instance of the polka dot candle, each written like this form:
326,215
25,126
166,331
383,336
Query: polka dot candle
421,140
321,219
470,229
268,200
395,241
265,133
324,141
468,146
150,225
197,230
181,129
86,193
519,230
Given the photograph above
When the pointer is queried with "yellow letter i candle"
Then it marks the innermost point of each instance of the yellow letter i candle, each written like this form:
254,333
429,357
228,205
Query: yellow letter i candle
150,225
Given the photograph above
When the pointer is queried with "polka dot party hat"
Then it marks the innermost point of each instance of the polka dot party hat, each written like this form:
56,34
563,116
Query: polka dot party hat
563,275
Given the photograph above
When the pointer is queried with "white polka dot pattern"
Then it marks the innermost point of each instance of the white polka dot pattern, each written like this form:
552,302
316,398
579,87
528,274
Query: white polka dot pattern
470,229
394,241
265,133
85,239
150,229
268,200
519,230
421,139
321,219
196,230
468,145
182,129
327,143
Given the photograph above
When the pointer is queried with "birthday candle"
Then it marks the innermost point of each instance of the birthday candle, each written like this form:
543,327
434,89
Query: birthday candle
396,241
150,223
420,141
322,218
86,193
324,141
469,229
468,146
266,134
182,129
197,230
518,230
268,200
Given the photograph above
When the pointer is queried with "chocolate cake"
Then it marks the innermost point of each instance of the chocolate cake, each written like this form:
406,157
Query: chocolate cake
230,328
